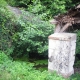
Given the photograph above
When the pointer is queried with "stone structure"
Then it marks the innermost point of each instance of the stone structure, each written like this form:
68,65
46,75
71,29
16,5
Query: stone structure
61,53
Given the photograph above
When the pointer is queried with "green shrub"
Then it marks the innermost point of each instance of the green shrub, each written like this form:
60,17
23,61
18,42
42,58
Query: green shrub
3,3
75,76
7,28
33,37
78,42
25,71
44,8
19,70
3,57
28,35
19,3
47,8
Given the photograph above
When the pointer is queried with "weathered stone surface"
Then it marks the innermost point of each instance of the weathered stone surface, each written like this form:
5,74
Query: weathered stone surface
61,53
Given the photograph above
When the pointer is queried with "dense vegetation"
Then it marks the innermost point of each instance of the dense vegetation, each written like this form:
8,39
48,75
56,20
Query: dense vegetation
22,70
27,35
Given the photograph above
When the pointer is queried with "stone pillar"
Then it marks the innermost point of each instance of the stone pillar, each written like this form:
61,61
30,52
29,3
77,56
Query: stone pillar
61,53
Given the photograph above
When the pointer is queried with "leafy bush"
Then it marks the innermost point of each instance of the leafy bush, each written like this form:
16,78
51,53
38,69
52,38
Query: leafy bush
19,70
78,42
33,37
3,3
29,35
18,3
14,70
48,7
77,32
75,77
44,8
3,57
6,26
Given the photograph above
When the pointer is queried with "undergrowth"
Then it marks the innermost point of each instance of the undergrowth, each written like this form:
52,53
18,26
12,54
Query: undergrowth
19,70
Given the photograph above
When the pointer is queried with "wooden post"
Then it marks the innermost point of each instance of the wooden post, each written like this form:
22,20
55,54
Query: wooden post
61,53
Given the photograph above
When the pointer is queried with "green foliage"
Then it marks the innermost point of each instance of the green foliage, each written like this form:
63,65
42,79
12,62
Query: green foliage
55,6
78,41
3,57
19,70
75,77
48,8
38,9
7,28
19,3
3,3
44,8
28,34
14,70
33,36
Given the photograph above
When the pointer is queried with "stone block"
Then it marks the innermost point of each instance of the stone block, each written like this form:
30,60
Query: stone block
61,53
